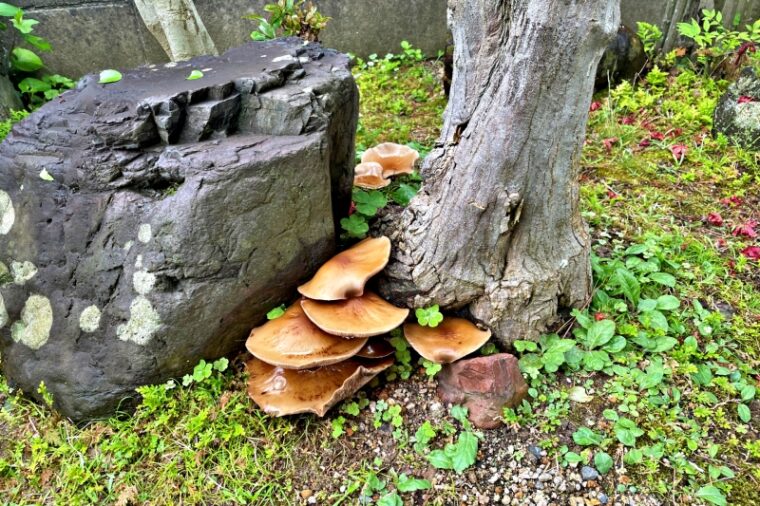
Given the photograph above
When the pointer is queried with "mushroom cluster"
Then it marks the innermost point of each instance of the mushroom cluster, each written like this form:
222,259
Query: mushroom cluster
382,162
328,344
325,346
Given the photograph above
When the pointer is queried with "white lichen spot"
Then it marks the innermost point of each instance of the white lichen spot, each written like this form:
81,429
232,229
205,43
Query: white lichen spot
23,272
3,312
45,175
303,59
144,234
89,320
143,282
207,69
143,322
748,115
285,57
7,213
171,64
36,321
139,262
128,246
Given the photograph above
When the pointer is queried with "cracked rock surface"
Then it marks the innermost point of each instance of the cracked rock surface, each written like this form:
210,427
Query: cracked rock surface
152,222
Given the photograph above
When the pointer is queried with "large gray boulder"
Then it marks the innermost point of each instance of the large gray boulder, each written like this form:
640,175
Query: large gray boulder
737,114
149,223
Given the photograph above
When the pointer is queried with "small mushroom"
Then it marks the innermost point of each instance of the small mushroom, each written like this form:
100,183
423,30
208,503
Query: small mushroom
370,176
281,392
453,339
368,315
345,274
395,158
376,348
294,342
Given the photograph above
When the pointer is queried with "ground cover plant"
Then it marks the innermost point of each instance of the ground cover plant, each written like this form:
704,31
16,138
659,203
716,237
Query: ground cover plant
653,383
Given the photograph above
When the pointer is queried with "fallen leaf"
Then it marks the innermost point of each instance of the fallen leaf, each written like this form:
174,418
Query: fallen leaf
645,143
744,99
595,106
608,143
715,219
679,151
578,394
658,136
746,229
751,252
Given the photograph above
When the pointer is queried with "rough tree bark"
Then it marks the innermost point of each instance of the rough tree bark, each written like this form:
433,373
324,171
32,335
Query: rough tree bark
177,26
496,228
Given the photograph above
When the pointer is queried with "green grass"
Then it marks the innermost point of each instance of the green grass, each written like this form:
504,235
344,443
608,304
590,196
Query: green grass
207,443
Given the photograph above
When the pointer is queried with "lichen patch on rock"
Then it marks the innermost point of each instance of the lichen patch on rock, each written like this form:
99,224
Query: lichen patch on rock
23,272
143,282
36,321
3,312
143,322
89,320
7,213
144,233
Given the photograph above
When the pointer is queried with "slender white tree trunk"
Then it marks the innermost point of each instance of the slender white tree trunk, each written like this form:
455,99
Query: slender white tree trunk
496,228
177,27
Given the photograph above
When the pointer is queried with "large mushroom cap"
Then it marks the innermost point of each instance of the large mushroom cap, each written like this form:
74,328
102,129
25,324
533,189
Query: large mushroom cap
370,176
294,342
345,274
281,392
368,315
395,158
453,339
376,348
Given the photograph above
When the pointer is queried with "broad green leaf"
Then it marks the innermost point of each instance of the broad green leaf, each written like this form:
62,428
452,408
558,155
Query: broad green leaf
596,360
368,202
599,333
748,393
603,462
276,313
711,493
627,283
195,74
647,305
25,60
636,249
663,278
391,499
572,458
634,456
32,85
38,42
403,194
110,76
407,484
587,437
667,303
440,460
459,413
553,360
745,415
531,364
574,357
8,10
663,344
627,431
704,375
522,346
466,451
582,318
654,320
355,226
616,345
24,26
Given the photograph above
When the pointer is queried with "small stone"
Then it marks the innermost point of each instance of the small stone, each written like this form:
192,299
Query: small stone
545,477
306,493
589,473
603,499
312,500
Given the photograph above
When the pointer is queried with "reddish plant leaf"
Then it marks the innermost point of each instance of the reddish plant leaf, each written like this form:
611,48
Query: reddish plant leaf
745,99
608,143
715,219
746,229
645,143
351,208
676,132
595,106
733,200
627,120
658,136
721,243
600,316
679,151
612,195
751,252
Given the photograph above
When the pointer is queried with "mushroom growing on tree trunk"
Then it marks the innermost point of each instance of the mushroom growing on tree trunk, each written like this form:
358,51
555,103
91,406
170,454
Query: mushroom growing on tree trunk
496,227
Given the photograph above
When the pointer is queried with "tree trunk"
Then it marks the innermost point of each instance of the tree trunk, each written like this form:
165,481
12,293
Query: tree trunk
496,227
177,26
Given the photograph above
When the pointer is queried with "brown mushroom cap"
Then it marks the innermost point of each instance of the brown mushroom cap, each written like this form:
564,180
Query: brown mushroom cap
376,348
395,158
345,274
294,342
368,315
370,176
453,339
281,392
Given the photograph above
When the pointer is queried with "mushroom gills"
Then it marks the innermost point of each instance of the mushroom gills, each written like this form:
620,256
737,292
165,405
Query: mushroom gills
280,392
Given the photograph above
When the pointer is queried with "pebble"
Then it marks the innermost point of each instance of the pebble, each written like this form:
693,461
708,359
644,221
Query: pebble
545,477
603,498
305,494
588,473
